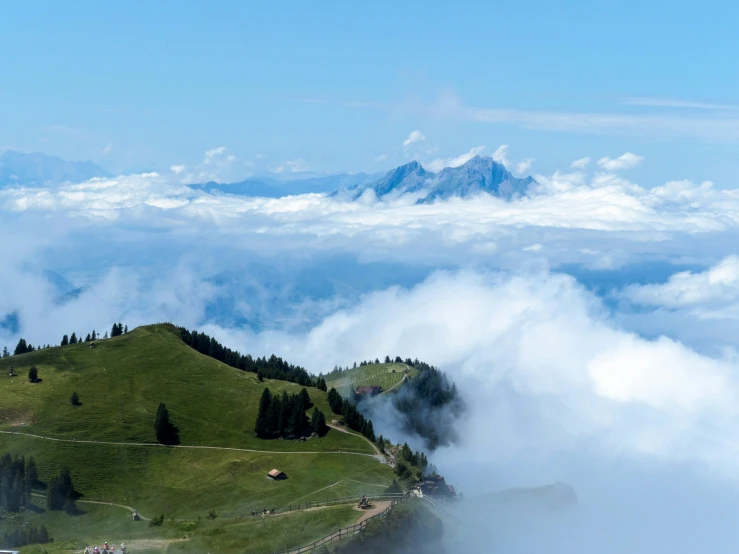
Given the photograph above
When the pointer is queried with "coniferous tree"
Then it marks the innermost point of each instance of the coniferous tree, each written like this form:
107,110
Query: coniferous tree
106,335
305,398
21,347
94,335
65,340
73,339
335,401
318,422
5,352
31,473
165,431
387,359
260,428
125,330
88,338
61,491
33,374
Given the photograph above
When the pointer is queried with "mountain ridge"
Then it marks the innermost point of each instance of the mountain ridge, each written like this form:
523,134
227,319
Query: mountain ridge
479,175
37,170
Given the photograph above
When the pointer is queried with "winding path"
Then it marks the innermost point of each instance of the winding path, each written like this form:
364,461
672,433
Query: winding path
129,508
195,447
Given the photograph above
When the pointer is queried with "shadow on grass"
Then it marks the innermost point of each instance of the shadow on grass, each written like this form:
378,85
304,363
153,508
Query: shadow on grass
35,509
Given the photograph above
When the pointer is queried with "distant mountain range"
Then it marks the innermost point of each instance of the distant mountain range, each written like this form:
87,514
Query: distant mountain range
39,170
410,181
477,176
267,187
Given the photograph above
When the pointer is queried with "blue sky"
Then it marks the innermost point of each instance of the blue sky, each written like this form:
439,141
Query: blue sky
142,85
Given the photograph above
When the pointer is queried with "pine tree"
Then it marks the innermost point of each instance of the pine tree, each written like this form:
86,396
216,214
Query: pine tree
305,399
31,473
88,338
5,352
106,335
73,338
387,359
94,335
260,427
165,431
125,330
21,347
318,422
65,340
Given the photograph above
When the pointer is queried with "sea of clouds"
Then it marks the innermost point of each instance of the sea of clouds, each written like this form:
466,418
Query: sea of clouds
591,327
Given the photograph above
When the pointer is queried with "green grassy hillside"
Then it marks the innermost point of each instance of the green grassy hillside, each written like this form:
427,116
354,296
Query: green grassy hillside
109,442
370,374
121,382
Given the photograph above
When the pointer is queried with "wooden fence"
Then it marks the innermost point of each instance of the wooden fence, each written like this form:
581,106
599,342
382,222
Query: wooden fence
345,532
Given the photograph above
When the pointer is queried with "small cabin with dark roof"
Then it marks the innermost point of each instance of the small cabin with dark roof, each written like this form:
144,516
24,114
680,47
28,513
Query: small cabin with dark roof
277,475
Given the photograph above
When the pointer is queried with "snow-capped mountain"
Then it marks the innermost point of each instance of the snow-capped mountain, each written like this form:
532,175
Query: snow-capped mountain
477,176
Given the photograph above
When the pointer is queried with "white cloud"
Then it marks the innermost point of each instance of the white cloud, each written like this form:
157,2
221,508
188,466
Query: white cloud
676,103
624,161
713,291
292,166
543,338
414,137
524,165
581,163
380,158
533,248
108,148
441,163
501,155
217,165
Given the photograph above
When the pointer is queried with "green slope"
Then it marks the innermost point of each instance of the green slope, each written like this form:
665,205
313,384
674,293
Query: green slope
370,374
122,381
120,384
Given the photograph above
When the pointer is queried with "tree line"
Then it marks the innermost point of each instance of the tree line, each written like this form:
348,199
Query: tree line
265,368
18,477
352,418
388,360
23,537
24,347
285,416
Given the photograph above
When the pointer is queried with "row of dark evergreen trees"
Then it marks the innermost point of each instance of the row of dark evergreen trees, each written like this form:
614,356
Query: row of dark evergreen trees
352,418
61,494
266,368
23,537
388,360
24,347
285,416
18,476
117,330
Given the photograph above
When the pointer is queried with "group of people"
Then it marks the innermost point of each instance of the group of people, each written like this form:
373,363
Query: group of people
264,512
107,549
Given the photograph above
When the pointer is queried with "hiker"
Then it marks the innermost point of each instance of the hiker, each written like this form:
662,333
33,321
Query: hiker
123,548
253,512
